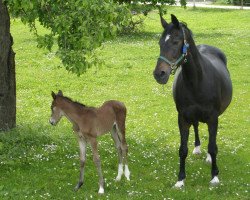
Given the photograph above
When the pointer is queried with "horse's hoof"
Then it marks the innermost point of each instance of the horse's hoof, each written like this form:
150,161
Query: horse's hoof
215,181
77,187
208,159
118,178
101,191
197,150
179,184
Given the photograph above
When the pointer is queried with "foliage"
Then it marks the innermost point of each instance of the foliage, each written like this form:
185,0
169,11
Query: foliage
38,161
140,10
79,26
233,2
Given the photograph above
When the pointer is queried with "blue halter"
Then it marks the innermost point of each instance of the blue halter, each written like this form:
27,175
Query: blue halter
175,65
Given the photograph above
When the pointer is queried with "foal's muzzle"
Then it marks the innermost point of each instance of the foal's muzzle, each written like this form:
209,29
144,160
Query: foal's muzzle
52,121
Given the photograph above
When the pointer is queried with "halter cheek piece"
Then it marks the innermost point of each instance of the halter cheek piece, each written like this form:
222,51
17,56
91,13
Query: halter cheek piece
175,65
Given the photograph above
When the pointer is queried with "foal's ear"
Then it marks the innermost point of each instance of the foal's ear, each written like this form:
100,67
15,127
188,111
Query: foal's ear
163,22
60,93
53,95
175,20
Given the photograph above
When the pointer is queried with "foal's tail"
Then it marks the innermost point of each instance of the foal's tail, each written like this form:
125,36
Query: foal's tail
121,112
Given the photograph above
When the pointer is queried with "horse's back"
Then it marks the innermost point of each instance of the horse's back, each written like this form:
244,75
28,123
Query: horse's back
217,65
115,105
212,52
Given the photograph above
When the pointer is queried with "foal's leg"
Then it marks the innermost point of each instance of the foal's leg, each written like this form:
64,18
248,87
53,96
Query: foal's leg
117,141
82,145
183,150
97,161
213,149
124,146
197,143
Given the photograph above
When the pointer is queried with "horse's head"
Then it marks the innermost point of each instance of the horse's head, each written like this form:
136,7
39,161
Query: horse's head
57,113
173,49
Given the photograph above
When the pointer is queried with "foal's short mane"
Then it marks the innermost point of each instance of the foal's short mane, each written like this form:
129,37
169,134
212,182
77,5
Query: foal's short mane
74,102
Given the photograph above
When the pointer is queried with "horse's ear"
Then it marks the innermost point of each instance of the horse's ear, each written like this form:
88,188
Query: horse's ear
175,20
53,95
163,22
60,93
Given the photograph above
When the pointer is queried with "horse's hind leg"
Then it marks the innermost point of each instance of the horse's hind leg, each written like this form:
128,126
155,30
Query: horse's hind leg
197,143
97,161
114,133
124,146
82,145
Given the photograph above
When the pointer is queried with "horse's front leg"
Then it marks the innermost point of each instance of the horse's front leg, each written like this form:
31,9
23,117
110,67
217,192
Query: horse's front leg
82,145
213,149
97,161
197,143
183,150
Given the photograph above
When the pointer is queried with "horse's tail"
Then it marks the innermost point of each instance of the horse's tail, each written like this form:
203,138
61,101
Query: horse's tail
121,112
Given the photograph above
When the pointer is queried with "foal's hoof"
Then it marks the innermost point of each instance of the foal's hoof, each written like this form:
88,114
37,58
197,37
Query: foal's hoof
101,191
118,178
179,184
77,187
215,181
127,173
197,150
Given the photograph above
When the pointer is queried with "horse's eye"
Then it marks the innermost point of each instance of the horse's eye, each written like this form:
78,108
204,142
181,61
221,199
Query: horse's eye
175,42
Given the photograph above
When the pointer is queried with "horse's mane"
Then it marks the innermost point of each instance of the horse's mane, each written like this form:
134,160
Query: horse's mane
184,24
74,102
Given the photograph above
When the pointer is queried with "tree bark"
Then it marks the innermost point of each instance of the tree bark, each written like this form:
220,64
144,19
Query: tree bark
7,73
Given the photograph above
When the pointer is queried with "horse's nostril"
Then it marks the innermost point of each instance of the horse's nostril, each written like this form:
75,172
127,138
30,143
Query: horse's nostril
162,73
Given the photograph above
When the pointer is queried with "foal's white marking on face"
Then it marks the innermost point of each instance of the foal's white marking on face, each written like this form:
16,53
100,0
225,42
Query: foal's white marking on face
167,37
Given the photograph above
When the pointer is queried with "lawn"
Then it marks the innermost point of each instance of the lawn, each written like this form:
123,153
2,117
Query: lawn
38,161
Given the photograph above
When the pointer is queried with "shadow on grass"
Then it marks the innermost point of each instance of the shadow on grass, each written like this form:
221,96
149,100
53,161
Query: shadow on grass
210,10
211,35
153,36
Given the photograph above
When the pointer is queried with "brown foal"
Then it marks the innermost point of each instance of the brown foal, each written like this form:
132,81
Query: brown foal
89,123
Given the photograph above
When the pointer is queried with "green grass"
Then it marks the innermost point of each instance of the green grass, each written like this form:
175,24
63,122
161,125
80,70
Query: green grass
38,161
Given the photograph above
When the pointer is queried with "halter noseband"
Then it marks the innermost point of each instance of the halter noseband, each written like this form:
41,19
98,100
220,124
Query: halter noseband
174,65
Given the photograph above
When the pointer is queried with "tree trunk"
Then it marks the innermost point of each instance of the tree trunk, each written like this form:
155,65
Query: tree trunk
7,73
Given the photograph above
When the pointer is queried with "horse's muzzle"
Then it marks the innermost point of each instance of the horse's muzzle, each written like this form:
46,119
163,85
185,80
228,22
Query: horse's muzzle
52,122
161,76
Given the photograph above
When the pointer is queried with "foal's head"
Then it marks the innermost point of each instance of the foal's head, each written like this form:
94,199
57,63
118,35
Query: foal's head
57,113
173,49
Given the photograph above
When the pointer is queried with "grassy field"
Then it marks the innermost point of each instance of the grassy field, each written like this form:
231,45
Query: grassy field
38,161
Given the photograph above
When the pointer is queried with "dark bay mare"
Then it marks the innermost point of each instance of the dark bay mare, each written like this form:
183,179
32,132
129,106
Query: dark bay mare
89,123
202,88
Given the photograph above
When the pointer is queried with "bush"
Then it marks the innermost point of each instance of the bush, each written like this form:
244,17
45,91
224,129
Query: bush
238,2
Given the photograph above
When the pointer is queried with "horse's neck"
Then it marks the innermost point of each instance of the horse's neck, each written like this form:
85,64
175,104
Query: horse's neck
192,70
68,110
